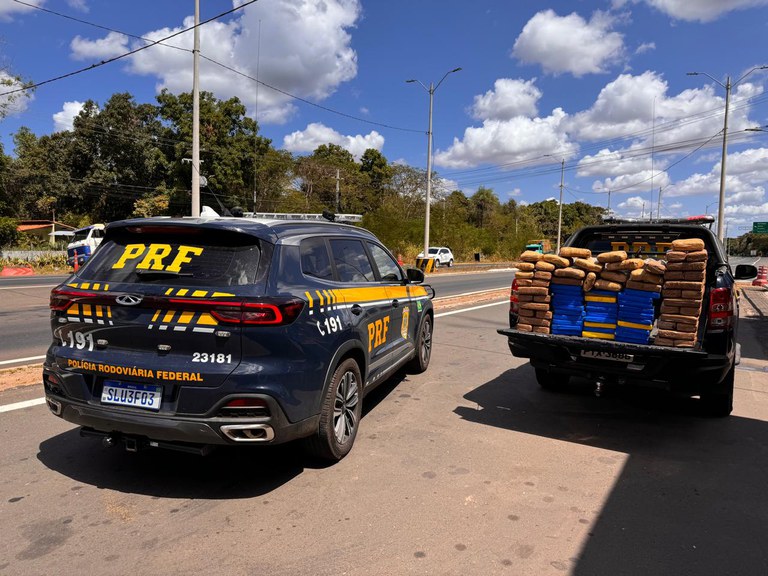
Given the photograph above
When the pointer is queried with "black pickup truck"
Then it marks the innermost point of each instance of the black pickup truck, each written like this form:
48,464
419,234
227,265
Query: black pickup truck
705,370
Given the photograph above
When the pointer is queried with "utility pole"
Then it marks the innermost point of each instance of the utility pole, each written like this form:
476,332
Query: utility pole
338,198
196,115
560,215
658,205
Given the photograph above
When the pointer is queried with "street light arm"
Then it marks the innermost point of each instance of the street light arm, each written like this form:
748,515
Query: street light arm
444,77
707,75
418,81
750,72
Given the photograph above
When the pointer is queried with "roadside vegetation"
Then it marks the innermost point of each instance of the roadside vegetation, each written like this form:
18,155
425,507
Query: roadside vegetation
123,159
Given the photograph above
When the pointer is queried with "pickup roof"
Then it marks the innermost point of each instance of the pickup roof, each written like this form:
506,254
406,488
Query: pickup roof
706,370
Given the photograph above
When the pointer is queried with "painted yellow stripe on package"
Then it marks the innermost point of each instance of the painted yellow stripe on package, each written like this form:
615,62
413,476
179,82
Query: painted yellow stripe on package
598,325
624,324
608,299
599,335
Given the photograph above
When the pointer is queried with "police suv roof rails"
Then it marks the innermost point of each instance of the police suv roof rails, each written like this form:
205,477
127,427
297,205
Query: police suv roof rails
703,219
328,216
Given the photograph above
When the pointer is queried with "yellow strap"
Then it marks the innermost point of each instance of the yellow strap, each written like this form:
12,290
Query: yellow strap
624,324
608,299
598,335
599,325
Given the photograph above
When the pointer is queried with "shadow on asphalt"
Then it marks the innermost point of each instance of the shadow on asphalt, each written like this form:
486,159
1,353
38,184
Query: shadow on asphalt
753,337
229,472
691,498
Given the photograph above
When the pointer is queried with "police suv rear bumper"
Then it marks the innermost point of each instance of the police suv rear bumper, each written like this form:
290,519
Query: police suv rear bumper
146,427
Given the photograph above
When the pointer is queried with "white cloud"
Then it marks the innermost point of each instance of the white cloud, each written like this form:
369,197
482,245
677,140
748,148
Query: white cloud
80,5
304,49
317,134
8,7
509,98
645,47
17,102
570,44
505,142
702,10
63,120
113,44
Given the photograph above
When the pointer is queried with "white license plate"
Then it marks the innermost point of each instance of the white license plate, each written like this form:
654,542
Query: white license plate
603,355
136,395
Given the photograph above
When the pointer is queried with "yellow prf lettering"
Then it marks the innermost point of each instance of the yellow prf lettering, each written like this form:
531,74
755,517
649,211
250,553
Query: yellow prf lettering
154,257
183,257
131,252
377,333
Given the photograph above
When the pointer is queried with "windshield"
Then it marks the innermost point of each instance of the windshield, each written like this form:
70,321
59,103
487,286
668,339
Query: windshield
80,235
433,250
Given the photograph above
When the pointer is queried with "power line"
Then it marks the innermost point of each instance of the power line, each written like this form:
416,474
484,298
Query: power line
126,54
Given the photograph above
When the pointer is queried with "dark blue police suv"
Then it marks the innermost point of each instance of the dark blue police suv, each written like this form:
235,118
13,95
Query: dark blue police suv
190,333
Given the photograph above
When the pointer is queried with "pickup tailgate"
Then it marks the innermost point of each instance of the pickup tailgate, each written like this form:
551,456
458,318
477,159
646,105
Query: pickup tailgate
591,358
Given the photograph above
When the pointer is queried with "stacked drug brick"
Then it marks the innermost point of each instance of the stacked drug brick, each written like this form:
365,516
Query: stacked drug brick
533,278
637,301
682,294
567,291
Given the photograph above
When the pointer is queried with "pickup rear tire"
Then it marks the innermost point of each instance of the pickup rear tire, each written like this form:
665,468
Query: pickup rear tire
718,403
551,380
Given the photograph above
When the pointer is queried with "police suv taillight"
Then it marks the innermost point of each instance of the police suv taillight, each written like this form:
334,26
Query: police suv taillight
267,312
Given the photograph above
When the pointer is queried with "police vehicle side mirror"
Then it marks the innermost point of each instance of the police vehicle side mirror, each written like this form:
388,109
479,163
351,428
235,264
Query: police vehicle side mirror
414,275
745,272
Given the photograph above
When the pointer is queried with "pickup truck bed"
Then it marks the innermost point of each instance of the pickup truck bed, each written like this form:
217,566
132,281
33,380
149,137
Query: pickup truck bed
705,370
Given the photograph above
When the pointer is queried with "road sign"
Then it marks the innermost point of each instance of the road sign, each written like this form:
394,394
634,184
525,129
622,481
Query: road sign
760,227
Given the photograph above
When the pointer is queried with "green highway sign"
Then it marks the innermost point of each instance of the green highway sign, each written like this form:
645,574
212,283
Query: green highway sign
760,227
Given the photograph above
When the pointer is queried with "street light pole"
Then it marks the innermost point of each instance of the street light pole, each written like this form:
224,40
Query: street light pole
728,86
560,214
431,90
196,115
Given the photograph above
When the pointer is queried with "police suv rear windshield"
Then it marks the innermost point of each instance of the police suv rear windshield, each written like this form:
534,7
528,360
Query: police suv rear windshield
175,257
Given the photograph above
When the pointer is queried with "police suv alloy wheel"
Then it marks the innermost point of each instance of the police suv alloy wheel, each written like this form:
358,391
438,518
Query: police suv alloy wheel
340,414
420,363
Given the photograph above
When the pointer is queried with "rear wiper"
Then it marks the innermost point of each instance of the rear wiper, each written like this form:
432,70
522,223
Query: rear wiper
149,274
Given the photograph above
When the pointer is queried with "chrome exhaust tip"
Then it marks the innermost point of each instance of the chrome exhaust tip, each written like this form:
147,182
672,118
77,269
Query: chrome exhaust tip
54,406
248,432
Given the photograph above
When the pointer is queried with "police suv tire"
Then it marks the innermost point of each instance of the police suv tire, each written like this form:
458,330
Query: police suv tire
718,403
551,380
340,414
420,362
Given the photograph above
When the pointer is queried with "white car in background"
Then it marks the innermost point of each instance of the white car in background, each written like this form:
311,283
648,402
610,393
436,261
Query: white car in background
442,255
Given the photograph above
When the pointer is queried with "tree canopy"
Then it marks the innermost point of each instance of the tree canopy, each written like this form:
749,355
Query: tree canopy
123,159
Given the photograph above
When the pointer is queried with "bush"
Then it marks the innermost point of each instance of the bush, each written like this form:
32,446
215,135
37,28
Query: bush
9,233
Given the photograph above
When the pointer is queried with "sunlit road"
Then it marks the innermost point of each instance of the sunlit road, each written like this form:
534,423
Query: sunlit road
469,468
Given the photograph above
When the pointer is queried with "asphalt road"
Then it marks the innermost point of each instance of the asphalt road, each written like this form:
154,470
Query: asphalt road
469,468
24,313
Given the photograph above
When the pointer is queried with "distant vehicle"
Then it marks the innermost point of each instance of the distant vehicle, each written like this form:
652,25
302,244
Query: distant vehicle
442,255
543,246
84,243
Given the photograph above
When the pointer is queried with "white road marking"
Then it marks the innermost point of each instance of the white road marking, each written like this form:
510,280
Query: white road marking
21,405
18,360
506,301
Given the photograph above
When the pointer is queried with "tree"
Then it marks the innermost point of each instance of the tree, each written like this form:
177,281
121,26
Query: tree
10,103
9,233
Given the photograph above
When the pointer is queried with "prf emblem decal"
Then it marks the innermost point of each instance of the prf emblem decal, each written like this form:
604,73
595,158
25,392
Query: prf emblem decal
158,256
377,332
404,326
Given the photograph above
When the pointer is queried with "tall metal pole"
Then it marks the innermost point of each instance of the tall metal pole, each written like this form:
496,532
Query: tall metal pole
431,90
196,115
721,205
429,172
560,215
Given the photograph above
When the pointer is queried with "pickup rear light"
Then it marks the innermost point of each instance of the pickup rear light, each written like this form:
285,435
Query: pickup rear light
514,303
720,310
271,312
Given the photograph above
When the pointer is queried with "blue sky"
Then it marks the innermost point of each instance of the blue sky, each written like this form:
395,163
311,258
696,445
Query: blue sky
599,84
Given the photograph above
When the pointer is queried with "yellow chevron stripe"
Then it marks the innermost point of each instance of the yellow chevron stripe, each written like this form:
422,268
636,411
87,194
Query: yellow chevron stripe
182,292
186,317
309,297
169,292
199,293
157,314
207,320
221,295
87,310
169,316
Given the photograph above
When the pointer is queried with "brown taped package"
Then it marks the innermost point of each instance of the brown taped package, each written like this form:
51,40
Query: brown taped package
589,281
620,277
571,252
688,245
614,256
544,266
570,273
530,256
524,266
608,285
541,329
524,283
698,256
631,264
524,327
567,281
541,275
540,283
524,275
536,291
634,285
654,266
587,265
534,306
558,261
